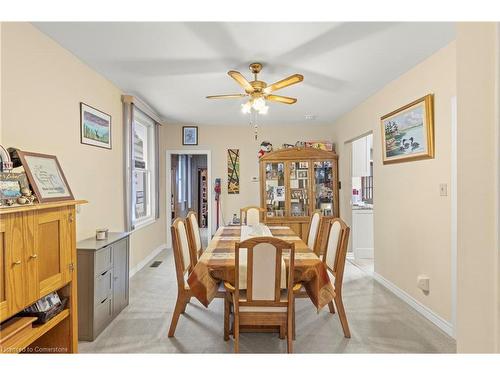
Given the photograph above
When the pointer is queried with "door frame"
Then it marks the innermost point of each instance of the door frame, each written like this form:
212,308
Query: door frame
168,186
348,146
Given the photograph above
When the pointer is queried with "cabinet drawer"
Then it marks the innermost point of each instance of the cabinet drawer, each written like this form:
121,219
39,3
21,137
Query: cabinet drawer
103,313
103,285
103,260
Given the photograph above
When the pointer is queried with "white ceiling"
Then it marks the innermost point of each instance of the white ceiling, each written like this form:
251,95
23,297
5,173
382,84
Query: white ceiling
173,66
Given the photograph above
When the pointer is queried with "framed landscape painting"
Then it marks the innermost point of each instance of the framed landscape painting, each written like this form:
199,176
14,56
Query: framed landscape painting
95,127
408,132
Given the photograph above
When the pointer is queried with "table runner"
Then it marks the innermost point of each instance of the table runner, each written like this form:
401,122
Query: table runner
216,264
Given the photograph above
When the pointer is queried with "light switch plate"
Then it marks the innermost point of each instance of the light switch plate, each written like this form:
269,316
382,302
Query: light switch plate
423,283
443,190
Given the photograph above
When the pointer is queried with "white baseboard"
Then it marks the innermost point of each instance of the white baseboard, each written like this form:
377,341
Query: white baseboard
427,313
146,260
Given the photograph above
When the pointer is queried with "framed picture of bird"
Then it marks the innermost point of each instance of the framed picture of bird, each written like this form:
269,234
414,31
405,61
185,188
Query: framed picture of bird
408,132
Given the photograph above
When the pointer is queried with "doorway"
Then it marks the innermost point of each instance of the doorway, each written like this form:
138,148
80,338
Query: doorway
362,202
188,189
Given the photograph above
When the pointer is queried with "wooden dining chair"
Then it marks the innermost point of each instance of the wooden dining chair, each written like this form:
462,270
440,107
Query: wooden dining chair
251,215
263,303
182,258
314,232
334,258
194,238
313,242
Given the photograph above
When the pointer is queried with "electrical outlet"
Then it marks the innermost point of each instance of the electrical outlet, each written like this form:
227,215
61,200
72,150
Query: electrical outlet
443,190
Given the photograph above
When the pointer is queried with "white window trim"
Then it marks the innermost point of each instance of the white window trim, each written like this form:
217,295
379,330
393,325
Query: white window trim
143,119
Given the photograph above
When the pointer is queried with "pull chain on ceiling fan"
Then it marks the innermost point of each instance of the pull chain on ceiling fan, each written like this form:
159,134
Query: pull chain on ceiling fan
258,91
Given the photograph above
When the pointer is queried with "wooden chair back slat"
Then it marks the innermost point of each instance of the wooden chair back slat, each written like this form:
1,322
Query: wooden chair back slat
251,215
180,246
255,248
336,249
314,229
194,237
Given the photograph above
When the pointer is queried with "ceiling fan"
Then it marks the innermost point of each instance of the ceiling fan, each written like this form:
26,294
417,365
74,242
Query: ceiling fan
259,91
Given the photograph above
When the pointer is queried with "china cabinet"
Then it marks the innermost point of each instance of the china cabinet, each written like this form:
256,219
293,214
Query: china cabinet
295,182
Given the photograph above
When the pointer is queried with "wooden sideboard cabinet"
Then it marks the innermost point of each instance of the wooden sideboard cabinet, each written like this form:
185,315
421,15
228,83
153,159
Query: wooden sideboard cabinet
37,257
103,282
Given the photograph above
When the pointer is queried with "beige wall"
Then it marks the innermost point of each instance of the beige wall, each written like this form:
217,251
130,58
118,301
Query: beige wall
478,275
411,220
42,86
219,138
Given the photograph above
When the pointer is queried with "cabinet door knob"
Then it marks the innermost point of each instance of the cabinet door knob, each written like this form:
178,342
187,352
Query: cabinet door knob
34,256
71,218
16,263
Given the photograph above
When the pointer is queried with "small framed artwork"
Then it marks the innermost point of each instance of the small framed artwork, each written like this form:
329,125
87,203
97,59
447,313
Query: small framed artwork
303,165
45,176
11,185
95,127
302,174
189,135
408,132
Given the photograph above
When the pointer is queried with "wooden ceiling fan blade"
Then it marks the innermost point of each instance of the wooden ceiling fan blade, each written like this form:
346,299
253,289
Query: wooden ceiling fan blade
228,96
281,99
292,80
242,81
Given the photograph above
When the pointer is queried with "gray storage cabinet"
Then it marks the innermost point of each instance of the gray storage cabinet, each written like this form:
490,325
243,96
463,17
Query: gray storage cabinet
103,281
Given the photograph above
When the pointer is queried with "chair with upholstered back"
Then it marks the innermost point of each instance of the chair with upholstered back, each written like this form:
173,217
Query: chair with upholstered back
335,258
251,215
194,237
263,300
313,239
182,258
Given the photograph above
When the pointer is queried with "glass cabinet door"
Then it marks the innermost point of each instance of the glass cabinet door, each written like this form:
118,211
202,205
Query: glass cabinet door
275,189
299,188
323,187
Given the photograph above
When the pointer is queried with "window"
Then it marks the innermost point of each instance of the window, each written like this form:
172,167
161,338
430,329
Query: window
143,170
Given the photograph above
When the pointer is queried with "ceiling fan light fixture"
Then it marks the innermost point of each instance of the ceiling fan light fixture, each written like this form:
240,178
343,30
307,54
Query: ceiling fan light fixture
258,104
246,107
264,110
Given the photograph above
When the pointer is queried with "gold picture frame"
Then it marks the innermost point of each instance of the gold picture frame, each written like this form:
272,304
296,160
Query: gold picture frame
408,132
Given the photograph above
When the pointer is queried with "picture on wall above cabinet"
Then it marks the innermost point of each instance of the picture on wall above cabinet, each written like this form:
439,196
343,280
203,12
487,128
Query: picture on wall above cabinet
408,132
233,171
45,176
189,135
95,127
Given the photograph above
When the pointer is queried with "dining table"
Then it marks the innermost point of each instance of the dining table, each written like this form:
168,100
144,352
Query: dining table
217,264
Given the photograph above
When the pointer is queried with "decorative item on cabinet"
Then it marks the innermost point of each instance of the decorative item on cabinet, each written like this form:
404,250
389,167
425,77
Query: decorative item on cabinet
37,255
103,282
297,181
45,176
6,164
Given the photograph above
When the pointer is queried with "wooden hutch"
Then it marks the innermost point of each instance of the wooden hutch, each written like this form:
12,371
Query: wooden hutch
294,183
37,257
